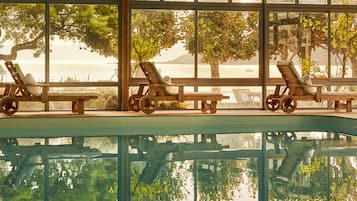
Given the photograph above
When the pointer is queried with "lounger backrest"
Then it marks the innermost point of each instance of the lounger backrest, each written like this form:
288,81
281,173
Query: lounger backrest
289,73
153,76
292,78
22,80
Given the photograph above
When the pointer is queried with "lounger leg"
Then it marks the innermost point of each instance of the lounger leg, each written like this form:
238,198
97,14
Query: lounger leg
349,106
337,105
80,107
213,107
204,106
74,106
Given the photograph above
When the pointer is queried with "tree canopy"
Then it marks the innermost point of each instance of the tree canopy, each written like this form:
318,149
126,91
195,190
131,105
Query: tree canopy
222,36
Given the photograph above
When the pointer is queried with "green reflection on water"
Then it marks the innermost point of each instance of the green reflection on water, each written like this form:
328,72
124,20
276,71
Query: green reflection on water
252,166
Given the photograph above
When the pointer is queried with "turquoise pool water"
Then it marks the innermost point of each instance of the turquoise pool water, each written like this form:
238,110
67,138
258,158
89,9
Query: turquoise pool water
178,158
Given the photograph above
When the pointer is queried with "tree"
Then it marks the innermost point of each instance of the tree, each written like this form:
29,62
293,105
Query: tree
298,34
344,41
151,32
314,26
22,24
222,36
93,25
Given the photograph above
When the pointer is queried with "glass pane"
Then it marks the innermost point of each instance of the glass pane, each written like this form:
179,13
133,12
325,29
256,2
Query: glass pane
239,97
107,98
214,1
344,2
83,43
313,2
301,38
155,36
181,0
228,44
22,41
246,1
343,44
281,1
22,31
344,88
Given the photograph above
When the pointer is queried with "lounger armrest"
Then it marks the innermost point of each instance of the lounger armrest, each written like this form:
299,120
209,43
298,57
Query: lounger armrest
27,85
167,85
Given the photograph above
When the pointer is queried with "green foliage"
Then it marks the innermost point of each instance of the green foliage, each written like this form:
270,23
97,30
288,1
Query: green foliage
83,180
217,179
70,180
222,36
166,187
344,181
344,40
30,189
22,24
151,32
96,26
343,37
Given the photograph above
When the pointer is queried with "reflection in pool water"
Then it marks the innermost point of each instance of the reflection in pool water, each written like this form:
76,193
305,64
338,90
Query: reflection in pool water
251,166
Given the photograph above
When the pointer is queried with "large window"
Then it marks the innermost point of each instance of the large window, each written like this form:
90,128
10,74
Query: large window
156,36
218,45
22,35
343,45
302,38
83,44
228,44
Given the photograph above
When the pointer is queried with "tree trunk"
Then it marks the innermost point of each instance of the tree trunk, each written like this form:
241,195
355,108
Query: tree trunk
215,74
214,69
354,66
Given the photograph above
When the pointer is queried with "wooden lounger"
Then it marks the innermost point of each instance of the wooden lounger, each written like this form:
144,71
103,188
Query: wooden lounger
297,89
158,91
26,89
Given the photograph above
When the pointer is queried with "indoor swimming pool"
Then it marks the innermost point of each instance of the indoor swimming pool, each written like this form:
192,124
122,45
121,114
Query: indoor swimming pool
250,158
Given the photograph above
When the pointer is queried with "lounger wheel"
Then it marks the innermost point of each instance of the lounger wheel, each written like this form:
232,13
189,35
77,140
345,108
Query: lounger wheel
288,104
272,137
12,141
134,103
9,105
288,137
148,104
272,102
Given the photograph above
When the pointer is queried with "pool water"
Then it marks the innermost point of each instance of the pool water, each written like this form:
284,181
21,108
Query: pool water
257,166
